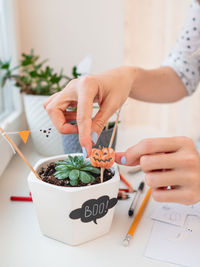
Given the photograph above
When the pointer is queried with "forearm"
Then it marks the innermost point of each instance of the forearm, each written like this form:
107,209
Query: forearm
161,85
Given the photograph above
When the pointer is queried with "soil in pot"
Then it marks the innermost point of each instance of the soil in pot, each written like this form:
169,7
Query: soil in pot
47,175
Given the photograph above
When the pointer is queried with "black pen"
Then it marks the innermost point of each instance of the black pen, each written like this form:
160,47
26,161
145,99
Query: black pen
135,199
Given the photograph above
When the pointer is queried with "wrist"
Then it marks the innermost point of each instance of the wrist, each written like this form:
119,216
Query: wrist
135,76
120,78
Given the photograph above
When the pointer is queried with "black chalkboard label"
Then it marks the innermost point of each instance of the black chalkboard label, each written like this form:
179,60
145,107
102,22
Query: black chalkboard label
93,209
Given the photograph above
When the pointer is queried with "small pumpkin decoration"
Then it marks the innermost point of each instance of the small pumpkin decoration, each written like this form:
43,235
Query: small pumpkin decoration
103,158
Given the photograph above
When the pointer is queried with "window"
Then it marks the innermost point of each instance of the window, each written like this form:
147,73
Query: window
10,100
6,105
1,103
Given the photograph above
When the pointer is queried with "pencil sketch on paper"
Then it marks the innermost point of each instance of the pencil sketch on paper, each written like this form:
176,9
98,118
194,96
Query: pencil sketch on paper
191,227
171,214
175,242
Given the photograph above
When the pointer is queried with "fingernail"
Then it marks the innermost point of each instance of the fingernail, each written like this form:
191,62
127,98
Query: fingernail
123,160
84,152
94,137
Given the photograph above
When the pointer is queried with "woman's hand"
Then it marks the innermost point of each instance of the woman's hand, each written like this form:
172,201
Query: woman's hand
167,162
109,89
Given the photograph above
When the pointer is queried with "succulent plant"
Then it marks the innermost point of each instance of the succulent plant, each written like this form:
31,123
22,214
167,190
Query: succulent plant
76,168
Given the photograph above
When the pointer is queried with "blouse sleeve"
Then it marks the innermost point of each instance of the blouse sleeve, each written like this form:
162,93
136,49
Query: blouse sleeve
186,65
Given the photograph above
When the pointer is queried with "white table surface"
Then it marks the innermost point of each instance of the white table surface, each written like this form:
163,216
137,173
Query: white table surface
23,245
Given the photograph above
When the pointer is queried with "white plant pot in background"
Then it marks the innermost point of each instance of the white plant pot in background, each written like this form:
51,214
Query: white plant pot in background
73,215
38,119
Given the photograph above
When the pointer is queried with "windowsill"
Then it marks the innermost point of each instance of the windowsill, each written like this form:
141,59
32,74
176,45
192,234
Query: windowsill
4,115
9,118
15,121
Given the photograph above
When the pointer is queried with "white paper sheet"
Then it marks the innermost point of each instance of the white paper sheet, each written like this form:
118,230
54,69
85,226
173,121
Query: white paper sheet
176,241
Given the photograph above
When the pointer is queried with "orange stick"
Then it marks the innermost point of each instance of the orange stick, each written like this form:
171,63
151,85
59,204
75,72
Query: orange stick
127,183
107,124
102,172
111,141
114,130
137,218
20,153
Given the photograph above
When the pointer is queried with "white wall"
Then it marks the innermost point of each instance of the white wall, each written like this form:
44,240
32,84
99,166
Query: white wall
152,27
67,30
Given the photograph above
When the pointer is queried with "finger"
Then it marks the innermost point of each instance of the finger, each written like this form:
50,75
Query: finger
119,159
165,178
58,119
147,147
158,161
172,195
70,116
99,121
56,109
49,99
57,113
86,98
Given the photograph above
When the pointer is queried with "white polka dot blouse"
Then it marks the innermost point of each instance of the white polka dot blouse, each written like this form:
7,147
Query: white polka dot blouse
186,66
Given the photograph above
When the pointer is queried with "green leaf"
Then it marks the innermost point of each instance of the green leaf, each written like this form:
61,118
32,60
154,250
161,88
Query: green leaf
87,163
61,168
61,175
33,74
75,158
75,73
25,79
60,162
73,182
84,177
70,165
91,169
78,162
64,168
80,159
70,159
74,174
37,67
5,65
92,178
55,78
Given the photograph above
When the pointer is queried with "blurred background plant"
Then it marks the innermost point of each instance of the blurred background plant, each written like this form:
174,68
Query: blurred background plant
37,80
34,77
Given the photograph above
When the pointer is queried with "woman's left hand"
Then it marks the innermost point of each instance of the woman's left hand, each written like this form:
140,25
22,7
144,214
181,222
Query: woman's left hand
167,162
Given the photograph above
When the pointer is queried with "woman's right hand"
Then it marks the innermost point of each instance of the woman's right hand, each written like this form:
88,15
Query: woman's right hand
109,89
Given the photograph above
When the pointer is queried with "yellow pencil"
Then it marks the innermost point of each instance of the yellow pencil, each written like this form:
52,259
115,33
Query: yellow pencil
136,219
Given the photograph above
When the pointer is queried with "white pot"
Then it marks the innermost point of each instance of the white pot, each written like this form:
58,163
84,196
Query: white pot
55,207
38,119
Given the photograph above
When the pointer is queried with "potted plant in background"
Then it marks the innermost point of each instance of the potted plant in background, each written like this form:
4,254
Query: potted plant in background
72,205
37,81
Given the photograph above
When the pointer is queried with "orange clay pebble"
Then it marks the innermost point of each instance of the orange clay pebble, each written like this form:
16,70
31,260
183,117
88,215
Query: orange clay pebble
103,158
